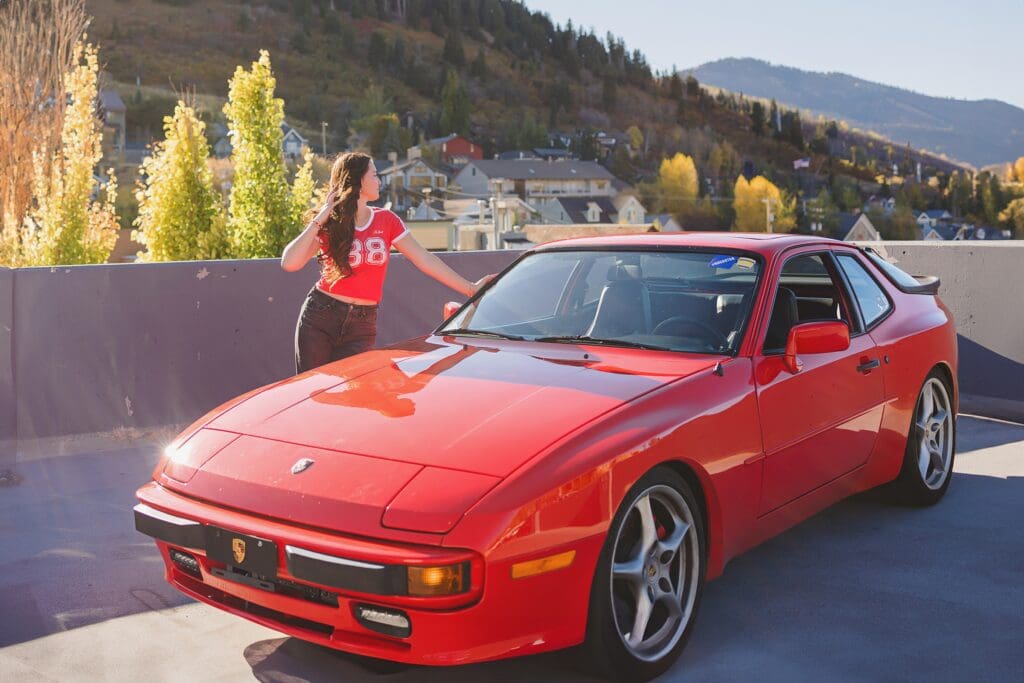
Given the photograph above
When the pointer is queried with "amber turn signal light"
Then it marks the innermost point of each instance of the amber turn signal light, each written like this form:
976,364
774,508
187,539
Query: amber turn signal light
433,581
521,570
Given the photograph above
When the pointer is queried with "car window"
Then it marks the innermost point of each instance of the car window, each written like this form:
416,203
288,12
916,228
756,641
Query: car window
696,301
537,285
897,275
870,296
807,291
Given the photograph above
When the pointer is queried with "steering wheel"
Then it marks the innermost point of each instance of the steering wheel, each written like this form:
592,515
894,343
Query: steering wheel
681,322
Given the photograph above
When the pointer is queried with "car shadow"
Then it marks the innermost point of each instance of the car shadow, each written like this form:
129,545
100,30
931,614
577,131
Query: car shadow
290,660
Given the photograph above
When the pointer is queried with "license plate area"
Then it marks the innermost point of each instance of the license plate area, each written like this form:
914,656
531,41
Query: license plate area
254,554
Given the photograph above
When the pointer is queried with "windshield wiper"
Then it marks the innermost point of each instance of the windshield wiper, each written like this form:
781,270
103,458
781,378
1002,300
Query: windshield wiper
598,341
467,332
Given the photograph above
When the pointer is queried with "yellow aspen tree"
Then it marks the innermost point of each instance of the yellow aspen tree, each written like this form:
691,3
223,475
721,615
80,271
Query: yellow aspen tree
68,223
677,183
261,215
178,206
749,202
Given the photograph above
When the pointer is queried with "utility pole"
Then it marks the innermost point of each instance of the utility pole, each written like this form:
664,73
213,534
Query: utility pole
323,137
497,211
768,215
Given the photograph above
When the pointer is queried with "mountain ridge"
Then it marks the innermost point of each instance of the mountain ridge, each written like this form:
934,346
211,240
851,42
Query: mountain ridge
980,132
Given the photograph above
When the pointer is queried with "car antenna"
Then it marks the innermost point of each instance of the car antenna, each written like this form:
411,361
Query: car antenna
719,370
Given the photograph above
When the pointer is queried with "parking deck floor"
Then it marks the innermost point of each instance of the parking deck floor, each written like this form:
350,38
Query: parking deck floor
862,592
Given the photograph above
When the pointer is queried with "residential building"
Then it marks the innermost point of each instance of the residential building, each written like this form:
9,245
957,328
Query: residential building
404,183
853,227
665,222
113,112
453,149
533,179
932,217
291,143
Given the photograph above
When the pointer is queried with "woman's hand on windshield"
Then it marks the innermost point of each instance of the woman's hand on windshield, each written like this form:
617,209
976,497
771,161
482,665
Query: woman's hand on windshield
482,281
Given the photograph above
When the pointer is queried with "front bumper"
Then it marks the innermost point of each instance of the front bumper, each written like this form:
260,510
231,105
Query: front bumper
322,579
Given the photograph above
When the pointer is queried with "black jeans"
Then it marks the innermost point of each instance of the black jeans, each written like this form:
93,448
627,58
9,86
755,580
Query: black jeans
329,330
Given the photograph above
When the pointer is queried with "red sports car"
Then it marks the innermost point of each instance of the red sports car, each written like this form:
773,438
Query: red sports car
570,456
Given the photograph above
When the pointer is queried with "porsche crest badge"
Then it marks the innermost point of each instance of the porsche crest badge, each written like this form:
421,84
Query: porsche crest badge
238,549
302,465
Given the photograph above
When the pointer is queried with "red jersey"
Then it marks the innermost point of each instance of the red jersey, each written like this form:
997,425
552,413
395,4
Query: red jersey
371,251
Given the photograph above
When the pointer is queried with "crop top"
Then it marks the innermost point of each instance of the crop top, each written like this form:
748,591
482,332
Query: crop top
368,258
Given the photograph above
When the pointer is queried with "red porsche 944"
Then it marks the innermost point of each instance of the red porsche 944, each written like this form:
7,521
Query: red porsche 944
570,456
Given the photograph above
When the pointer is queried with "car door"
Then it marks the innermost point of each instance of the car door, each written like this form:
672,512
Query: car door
821,422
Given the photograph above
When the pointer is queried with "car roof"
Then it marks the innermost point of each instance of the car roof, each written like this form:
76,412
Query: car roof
758,242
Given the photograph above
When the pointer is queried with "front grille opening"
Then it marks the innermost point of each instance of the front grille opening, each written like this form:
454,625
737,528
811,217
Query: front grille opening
278,585
240,605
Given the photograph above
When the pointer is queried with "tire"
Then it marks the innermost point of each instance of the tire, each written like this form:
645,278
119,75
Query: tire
675,579
931,446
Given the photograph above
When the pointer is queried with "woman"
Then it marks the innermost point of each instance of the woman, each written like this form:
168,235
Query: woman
352,242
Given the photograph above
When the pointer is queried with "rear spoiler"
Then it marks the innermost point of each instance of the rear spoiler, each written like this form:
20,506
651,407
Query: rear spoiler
910,284
926,284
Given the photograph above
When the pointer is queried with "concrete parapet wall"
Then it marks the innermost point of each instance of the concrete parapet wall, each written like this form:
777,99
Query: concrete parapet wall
89,349
983,285
106,347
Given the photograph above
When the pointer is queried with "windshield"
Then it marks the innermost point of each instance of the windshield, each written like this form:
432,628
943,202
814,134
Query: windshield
695,301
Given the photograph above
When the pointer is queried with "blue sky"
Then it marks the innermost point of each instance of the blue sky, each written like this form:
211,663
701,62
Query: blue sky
968,49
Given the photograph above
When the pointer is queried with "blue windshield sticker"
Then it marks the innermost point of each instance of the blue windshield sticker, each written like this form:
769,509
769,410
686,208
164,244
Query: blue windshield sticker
723,262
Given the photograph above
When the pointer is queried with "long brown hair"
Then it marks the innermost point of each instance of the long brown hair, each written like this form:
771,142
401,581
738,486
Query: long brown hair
346,184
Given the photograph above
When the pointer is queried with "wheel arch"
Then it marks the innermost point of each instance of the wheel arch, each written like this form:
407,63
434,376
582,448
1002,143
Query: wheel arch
699,481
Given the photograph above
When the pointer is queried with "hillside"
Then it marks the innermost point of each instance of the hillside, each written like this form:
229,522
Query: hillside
523,81
978,132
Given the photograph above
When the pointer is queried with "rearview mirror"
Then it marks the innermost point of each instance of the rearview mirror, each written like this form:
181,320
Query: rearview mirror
450,308
823,336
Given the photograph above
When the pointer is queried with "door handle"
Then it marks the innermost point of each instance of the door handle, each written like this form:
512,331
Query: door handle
867,366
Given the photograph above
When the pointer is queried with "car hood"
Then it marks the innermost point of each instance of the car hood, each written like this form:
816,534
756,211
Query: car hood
483,408
410,437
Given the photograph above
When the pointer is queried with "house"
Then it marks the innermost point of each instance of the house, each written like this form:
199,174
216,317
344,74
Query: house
931,217
578,210
983,232
886,205
629,208
404,183
552,153
426,211
624,208
113,112
518,154
533,179
665,222
940,231
453,149
292,143
853,227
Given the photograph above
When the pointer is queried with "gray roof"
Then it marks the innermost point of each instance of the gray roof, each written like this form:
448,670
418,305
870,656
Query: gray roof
441,141
936,213
517,154
111,101
846,223
532,169
576,208
946,231
388,168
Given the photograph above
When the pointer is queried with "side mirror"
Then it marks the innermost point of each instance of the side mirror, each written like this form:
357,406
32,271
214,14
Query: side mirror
818,337
450,308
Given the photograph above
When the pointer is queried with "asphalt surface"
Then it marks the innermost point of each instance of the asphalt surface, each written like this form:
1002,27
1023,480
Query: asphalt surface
862,592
